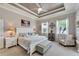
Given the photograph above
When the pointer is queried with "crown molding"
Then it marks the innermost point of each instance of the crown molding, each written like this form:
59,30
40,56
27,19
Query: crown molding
26,9
38,15
59,14
53,12
17,10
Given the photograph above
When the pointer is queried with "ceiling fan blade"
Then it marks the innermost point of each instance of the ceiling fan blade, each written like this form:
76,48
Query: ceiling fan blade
40,6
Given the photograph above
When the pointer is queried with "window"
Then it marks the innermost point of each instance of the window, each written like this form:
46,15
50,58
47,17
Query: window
44,27
62,26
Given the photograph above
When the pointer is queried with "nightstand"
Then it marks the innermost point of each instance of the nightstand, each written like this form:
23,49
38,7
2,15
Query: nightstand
10,41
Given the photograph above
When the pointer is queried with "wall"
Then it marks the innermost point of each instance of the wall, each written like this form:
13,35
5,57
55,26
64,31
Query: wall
77,28
10,17
71,18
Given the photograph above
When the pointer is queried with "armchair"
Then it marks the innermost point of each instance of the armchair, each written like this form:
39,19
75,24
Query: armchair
68,40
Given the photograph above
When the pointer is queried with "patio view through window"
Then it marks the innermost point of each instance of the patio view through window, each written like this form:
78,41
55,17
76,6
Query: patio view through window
62,26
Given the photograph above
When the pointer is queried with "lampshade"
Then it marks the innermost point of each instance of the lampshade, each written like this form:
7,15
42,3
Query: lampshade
10,30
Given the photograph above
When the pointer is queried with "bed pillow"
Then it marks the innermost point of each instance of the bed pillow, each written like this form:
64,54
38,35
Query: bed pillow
22,34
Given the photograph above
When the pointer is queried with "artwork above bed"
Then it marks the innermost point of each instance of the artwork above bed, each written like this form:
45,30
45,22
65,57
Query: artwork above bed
25,23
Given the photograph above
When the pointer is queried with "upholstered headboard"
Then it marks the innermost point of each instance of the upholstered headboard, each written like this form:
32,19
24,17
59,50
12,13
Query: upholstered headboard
27,31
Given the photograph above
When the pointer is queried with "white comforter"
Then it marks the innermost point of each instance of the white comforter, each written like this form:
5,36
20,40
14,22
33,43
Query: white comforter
35,39
30,42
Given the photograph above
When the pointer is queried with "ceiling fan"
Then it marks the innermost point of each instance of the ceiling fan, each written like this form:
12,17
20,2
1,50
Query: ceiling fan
40,8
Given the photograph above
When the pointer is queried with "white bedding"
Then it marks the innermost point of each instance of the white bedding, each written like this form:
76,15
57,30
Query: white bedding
30,42
35,39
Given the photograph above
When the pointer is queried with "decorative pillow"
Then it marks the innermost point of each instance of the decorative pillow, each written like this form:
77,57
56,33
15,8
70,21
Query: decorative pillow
29,34
22,34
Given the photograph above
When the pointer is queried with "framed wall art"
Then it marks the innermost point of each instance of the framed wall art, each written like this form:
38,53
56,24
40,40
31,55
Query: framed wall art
25,23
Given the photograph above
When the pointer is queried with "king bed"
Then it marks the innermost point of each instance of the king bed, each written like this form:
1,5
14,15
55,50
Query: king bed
29,42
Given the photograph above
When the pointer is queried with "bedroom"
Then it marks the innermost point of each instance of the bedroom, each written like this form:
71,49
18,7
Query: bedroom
23,19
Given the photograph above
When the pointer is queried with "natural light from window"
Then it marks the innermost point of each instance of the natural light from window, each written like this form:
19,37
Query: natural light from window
62,26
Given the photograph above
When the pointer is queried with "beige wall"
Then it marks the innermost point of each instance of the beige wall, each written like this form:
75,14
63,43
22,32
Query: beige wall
14,18
72,21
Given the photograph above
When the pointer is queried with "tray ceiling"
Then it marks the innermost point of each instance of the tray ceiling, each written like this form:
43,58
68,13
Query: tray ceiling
48,8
